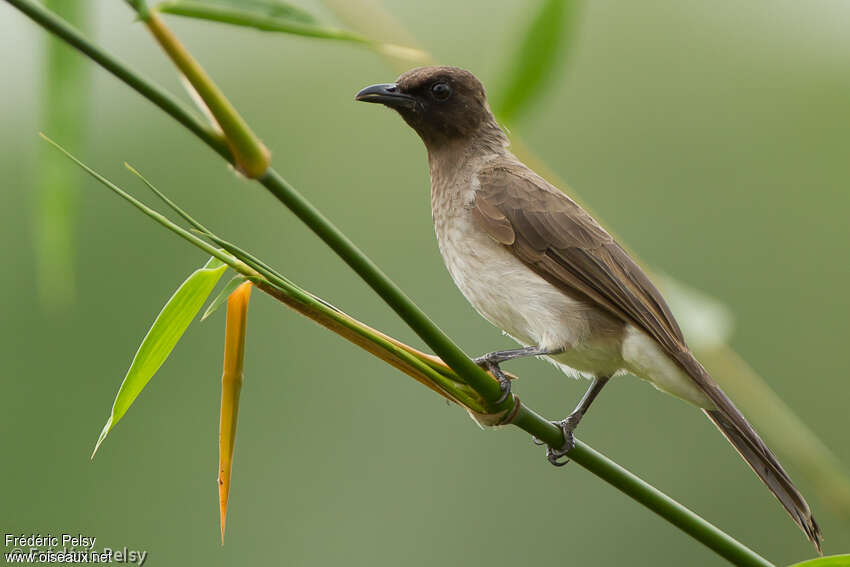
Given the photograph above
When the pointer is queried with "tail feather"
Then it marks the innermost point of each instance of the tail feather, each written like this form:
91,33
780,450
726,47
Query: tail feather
750,446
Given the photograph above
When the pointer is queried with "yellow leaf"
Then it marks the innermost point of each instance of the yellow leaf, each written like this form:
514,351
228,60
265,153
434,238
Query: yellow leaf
231,385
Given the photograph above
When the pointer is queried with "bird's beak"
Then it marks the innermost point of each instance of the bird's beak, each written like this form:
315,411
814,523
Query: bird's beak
387,94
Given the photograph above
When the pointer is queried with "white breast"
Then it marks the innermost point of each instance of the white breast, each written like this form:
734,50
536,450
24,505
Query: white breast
511,296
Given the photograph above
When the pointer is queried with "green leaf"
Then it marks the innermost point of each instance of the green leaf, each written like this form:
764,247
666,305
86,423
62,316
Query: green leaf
164,198
272,8
266,15
536,60
163,335
222,296
831,561
262,15
205,232
149,212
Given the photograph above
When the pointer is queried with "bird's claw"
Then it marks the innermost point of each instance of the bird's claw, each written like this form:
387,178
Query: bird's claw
493,367
558,456
504,386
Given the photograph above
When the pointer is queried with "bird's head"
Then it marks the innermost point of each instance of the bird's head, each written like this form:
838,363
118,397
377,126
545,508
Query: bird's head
443,104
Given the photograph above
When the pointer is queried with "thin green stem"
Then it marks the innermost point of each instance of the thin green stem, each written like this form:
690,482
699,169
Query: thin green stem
525,418
633,486
693,525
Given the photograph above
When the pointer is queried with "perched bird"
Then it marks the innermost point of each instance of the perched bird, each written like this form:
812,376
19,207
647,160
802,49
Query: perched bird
538,266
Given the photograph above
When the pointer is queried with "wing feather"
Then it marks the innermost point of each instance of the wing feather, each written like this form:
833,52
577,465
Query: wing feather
565,245
562,243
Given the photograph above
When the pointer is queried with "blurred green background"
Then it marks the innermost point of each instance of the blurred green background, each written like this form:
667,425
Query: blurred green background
714,138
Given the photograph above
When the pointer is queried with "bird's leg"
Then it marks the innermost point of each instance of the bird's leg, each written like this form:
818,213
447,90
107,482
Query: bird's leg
569,424
492,360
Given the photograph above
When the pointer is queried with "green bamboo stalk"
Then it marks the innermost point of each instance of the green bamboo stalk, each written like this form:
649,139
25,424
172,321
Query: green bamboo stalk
523,417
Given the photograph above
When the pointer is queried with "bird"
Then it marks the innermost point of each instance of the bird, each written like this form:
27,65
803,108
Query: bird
539,267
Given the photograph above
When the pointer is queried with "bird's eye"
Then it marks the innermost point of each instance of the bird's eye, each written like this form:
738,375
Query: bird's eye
441,91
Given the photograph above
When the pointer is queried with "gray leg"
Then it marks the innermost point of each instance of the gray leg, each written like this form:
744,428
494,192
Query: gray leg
569,424
492,360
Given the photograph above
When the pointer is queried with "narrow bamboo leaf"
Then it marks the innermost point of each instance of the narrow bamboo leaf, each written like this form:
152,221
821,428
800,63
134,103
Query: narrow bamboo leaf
183,214
272,8
536,61
249,15
162,337
207,233
831,561
64,97
222,296
231,386
149,212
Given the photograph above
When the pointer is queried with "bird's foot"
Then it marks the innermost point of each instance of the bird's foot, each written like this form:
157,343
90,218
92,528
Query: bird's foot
557,456
490,365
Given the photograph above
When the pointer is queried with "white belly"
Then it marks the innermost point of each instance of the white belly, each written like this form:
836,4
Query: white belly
521,303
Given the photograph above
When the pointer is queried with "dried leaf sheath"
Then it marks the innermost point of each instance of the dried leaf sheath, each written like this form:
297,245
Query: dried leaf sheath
231,385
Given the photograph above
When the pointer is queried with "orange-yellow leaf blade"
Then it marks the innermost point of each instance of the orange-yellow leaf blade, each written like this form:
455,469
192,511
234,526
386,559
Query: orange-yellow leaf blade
231,385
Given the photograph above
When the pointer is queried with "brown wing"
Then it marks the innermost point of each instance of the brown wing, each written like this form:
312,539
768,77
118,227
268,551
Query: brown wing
562,243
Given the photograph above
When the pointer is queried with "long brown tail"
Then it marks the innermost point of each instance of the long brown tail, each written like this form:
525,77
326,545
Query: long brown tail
734,426
764,463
